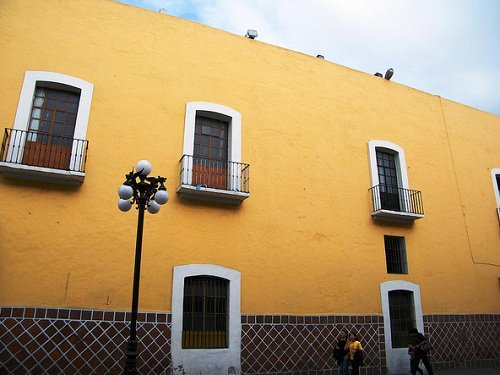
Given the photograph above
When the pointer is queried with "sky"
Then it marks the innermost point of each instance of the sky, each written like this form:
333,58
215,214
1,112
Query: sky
449,48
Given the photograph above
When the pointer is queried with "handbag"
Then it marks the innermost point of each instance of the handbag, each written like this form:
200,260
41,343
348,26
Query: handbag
426,346
359,357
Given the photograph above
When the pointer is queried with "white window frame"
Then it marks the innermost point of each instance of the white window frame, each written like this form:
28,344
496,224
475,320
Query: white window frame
23,113
400,160
234,135
207,361
494,173
397,358
402,175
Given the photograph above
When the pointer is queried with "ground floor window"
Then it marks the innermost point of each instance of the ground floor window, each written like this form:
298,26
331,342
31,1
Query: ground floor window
402,317
206,319
205,313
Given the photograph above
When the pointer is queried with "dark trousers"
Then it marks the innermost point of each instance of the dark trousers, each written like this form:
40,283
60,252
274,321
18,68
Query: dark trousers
344,366
414,363
355,368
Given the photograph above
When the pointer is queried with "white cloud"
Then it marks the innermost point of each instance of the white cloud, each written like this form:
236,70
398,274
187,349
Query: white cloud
445,47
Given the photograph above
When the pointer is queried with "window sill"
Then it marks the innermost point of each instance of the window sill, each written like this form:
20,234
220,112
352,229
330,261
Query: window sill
41,174
200,193
396,216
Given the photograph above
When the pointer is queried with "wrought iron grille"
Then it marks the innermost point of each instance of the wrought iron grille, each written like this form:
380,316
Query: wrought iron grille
402,314
393,198
205,314
39,149
213,173
395,255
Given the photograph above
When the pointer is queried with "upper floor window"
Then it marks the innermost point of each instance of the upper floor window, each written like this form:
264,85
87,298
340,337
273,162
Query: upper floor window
51,128
211,167
47,141
210,153
391,195
495,175
388,180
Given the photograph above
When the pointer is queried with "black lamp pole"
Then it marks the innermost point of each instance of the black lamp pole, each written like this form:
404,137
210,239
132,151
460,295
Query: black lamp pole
131,354
150,193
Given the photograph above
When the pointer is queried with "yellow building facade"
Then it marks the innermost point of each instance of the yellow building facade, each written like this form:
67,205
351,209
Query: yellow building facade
305,198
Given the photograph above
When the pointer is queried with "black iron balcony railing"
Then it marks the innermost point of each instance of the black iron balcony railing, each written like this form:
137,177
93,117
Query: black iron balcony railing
215,174
38,149
393,198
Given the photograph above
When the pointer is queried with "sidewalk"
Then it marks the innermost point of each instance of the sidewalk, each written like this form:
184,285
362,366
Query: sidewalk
470,371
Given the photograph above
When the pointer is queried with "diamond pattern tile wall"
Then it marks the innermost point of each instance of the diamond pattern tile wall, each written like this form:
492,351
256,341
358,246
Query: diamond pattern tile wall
464,340
61,341
289,344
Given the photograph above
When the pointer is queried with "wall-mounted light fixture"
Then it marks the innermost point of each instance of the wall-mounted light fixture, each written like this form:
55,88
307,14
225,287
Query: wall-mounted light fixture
251,34
388,74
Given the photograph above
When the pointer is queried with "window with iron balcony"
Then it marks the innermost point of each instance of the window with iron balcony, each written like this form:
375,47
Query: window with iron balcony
210,168
392,199
47,142
495,176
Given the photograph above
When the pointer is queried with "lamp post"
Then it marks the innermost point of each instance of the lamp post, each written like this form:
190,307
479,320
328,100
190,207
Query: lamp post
147,193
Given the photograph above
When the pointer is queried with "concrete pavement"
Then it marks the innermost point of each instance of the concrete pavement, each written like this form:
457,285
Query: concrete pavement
470,371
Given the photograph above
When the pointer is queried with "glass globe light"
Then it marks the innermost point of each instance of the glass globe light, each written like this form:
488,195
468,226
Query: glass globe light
144,166
124,205
153,207
161,197
125,192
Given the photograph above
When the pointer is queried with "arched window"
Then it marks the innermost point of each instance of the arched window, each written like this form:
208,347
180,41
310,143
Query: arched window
206,319
402,317
50,127
211,167
402,309
495,176
391,194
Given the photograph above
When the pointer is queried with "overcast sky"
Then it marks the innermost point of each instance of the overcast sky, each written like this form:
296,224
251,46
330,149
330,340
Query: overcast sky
449,48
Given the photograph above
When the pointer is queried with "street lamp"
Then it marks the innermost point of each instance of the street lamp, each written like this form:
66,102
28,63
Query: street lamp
148,192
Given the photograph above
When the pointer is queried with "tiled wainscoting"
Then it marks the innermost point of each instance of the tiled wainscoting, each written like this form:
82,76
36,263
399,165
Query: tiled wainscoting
464,340
62,341
71,341
300,345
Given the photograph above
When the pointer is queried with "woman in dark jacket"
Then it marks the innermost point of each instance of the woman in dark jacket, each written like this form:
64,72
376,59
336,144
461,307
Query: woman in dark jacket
340,353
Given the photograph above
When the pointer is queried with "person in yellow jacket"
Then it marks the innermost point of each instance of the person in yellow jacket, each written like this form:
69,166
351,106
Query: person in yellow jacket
355,353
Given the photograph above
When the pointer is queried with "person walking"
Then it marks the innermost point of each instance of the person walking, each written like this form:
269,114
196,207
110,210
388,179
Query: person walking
411,353
340,352
355,353
419,352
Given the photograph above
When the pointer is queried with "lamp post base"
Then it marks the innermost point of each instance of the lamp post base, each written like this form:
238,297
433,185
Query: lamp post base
131,360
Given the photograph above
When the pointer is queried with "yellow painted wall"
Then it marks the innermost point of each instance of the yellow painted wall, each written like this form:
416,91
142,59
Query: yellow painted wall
304,241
